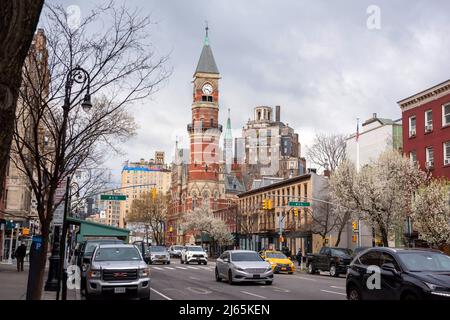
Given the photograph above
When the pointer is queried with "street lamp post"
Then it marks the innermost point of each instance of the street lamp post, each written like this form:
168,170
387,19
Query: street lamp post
80,76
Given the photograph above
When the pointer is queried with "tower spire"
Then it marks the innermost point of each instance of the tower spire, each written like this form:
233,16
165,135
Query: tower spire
206,34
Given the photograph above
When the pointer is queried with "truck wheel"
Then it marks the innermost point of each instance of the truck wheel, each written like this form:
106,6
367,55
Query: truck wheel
311,269
333,271
205,263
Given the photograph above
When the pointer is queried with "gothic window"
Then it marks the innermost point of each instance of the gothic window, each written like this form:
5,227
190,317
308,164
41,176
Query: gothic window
212,123
205,199
194,201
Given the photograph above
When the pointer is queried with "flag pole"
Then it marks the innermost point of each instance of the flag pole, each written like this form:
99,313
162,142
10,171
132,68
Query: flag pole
357,170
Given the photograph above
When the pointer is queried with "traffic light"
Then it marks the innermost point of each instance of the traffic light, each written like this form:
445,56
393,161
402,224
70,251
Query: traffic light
154,193
354,225
265,204
354,238
269,204
296,212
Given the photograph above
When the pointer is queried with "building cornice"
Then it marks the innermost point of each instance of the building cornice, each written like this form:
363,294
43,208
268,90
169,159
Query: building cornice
425,96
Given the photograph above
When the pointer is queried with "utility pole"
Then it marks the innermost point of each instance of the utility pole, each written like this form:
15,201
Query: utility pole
10,245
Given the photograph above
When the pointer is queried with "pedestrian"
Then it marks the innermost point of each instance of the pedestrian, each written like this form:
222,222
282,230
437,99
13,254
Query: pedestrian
299,257
20,253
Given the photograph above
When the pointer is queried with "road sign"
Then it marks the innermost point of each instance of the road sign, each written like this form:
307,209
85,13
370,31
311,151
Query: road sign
58,215
113,197
299,204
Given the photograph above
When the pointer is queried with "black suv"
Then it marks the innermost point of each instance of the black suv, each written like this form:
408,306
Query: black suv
403,274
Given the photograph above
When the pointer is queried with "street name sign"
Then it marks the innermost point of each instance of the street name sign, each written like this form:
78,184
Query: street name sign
113,197
299,204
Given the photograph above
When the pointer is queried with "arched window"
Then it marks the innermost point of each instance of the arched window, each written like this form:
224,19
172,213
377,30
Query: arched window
194,201
206,199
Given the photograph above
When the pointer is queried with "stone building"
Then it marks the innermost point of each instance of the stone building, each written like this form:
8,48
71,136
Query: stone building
140,177
270,147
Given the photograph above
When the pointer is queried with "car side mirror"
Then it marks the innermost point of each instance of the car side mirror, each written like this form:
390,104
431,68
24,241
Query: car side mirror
289,258
389,267
226,260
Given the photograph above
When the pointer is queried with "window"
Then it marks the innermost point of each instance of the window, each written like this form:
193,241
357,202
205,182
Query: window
429,157
428,121
387,258
412,126
370,259
446,115
447,153
211,123
413,157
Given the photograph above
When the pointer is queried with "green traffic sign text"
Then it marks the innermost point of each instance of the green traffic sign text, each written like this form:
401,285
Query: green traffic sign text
299,204
114,197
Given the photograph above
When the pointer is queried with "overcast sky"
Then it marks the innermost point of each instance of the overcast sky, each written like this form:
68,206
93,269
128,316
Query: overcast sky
317,59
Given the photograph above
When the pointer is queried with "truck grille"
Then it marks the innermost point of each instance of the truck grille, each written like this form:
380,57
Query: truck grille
255,270
120,275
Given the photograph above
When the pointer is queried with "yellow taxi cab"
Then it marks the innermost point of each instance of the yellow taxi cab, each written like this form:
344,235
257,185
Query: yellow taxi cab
278,261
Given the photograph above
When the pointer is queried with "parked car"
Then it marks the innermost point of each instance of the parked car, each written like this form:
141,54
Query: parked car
334,260
278,261
405,274
83,255
144,249
175,251
159,254
243,266
118,269
193,254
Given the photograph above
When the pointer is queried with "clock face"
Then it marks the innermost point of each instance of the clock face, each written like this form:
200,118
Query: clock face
207,88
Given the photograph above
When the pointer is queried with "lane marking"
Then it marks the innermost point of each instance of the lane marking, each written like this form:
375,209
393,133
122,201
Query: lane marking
336,287
252,294
340,293
170,268
195,268
205,268
158,268
162,295
181,268
309,279
198,290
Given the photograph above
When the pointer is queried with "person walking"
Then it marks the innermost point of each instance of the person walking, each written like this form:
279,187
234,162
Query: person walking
299,257
20,253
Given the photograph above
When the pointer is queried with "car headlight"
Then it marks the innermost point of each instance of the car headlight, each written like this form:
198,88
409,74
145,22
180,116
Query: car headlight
94,274
273,263
434,287
239,269
268,269
143,273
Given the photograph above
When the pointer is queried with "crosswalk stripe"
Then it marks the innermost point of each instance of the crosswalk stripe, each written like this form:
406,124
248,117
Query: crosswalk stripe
205,268
170,268
157,268
195,268
181,268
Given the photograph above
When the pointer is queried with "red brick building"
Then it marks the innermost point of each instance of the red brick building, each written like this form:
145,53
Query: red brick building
426,129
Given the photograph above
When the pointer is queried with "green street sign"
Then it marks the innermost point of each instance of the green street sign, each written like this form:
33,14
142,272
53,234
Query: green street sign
113,197
299,204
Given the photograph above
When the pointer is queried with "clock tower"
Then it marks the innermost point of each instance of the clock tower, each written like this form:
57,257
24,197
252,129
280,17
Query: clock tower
204,133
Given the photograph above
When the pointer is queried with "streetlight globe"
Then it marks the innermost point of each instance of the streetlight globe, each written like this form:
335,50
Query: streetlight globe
86,104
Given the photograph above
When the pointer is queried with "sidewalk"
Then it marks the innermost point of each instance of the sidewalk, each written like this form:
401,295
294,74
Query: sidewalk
14,284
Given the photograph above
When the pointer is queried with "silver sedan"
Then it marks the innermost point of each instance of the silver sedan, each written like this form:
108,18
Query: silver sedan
243,266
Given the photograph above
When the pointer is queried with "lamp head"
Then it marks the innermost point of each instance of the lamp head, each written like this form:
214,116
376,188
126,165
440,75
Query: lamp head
86,104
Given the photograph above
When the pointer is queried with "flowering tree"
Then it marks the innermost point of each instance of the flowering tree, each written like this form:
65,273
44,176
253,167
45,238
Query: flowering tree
201,220
431,213
381,193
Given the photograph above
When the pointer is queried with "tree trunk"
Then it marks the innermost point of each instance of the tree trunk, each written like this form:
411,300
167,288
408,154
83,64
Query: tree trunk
17,26
384,236
36,288
338,240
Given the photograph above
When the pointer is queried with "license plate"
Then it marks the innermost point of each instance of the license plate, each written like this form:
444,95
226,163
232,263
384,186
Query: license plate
119,290
256,276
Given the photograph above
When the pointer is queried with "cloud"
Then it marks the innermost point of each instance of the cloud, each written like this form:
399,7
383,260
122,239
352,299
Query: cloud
316,59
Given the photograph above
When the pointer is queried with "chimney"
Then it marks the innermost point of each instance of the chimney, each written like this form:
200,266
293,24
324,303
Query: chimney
277,113
374,115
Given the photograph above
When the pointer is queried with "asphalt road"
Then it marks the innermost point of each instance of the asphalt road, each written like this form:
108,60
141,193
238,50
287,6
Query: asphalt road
196,282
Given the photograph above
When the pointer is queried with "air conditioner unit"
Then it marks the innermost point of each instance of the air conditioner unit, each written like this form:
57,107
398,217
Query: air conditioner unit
430,164
412,133
429,128
447,161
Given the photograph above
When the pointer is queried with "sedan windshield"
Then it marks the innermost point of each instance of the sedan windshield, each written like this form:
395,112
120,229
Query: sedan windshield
245,256
276,255
425,261
157,249
117,254
194,249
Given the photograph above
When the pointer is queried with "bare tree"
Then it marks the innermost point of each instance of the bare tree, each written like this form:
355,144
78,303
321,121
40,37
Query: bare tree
17,25
123,69
327,151
151,212
247,221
